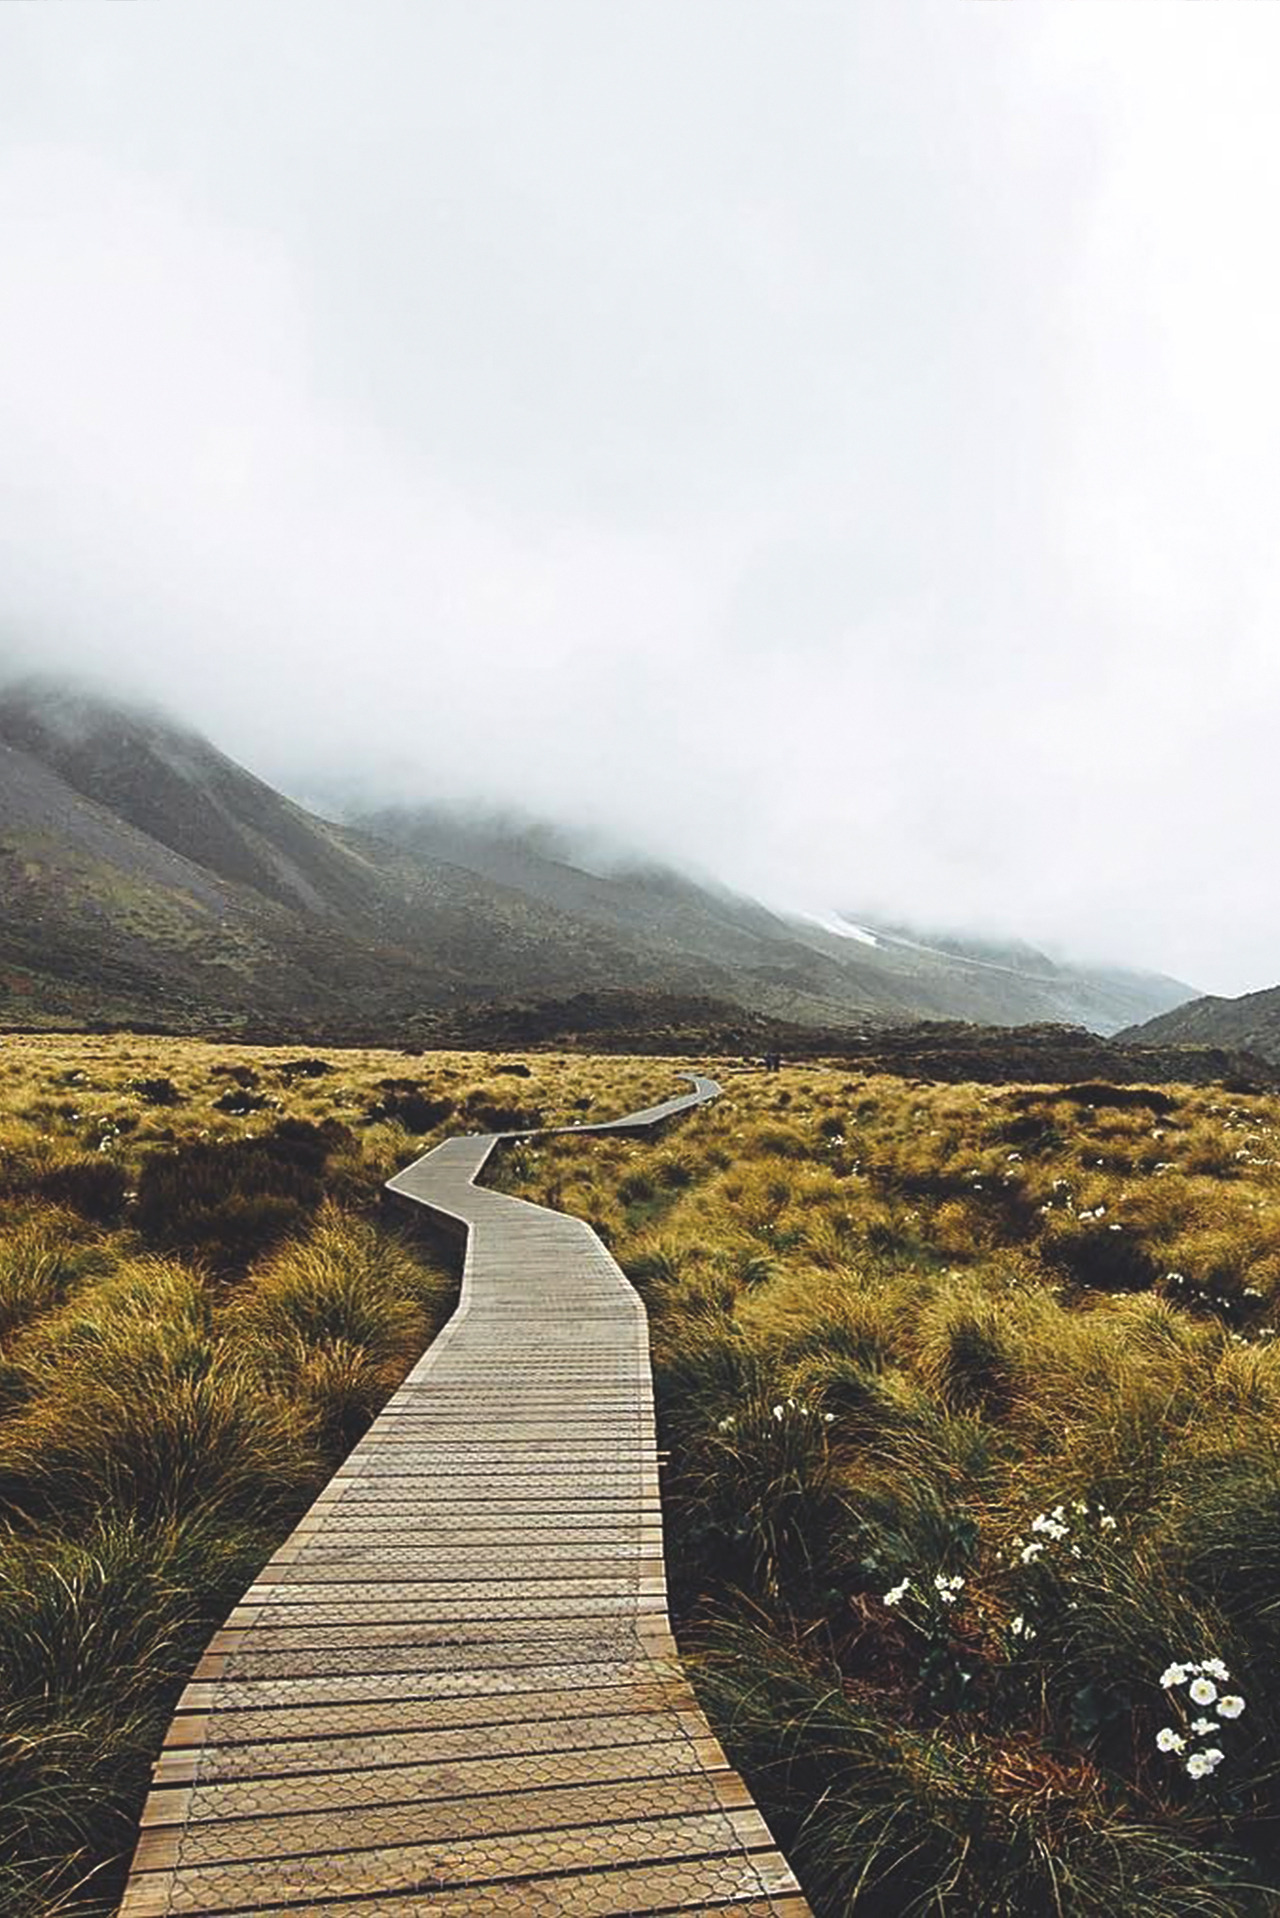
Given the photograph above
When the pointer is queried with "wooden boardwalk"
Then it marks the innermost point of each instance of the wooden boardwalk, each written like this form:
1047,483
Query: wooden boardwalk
454,1689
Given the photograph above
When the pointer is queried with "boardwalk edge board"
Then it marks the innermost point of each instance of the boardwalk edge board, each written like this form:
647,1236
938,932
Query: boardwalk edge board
454,1689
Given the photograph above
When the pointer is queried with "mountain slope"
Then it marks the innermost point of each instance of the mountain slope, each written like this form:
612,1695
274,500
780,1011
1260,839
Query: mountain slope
1004,983
1251,1023
735,946
147,878
818,970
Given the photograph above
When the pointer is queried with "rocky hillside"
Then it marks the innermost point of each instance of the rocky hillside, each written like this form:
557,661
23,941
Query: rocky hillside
1250,1023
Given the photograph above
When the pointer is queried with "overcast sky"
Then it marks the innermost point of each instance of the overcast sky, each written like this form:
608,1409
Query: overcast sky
836,444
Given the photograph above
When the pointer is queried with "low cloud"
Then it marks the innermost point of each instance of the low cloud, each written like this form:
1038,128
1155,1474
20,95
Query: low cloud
835,447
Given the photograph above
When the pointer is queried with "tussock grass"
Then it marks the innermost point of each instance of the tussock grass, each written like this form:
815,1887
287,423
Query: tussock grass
202,1306
44,1256
98,1631
328,1322
896,1330
134,1402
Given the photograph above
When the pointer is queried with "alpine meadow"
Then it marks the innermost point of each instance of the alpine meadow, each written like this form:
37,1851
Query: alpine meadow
639,959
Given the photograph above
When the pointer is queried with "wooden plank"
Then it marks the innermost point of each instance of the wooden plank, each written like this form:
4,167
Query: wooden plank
723,1858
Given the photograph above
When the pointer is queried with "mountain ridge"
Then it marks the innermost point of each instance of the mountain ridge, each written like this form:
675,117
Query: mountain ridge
1250,1021
148,877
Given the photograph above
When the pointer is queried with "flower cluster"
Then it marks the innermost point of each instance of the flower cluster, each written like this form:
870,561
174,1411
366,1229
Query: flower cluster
791,1408
785,1412
1054,1528
1203,1681
1203,1295
946,1589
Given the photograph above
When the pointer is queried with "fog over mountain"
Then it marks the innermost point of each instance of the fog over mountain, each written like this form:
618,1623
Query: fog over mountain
832,447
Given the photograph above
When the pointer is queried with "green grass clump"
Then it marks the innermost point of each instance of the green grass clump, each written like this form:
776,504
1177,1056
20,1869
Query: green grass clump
98,1631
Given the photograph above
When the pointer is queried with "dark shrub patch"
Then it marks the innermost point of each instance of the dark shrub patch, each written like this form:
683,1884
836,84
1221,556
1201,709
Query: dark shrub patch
236,1099
1121,1098
1032,1132
1102,1259
157,1092
227,1202
515,1070
304,1069
488,1114
239,1075
410,1105
94,1188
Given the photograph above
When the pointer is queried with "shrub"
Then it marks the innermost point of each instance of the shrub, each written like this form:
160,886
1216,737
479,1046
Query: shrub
157,1092
240,1102
228,1201
486,1111
93,1187
407,1104
1102,1259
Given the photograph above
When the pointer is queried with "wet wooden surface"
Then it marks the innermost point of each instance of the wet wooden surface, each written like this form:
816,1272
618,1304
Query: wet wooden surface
454,1688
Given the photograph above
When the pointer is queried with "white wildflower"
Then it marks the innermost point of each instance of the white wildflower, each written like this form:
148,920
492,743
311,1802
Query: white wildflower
1203,1691
1231,1706
1216,1669
1203,1726
1169,1740
1198,1765
1173,1675
898,1592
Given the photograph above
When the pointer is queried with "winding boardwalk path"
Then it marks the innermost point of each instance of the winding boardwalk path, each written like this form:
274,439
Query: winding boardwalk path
454,1689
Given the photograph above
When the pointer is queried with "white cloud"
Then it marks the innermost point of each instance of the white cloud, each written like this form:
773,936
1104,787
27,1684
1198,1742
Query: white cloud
836,445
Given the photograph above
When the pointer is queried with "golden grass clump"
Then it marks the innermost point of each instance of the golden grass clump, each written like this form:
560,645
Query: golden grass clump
202,1306
971,1396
